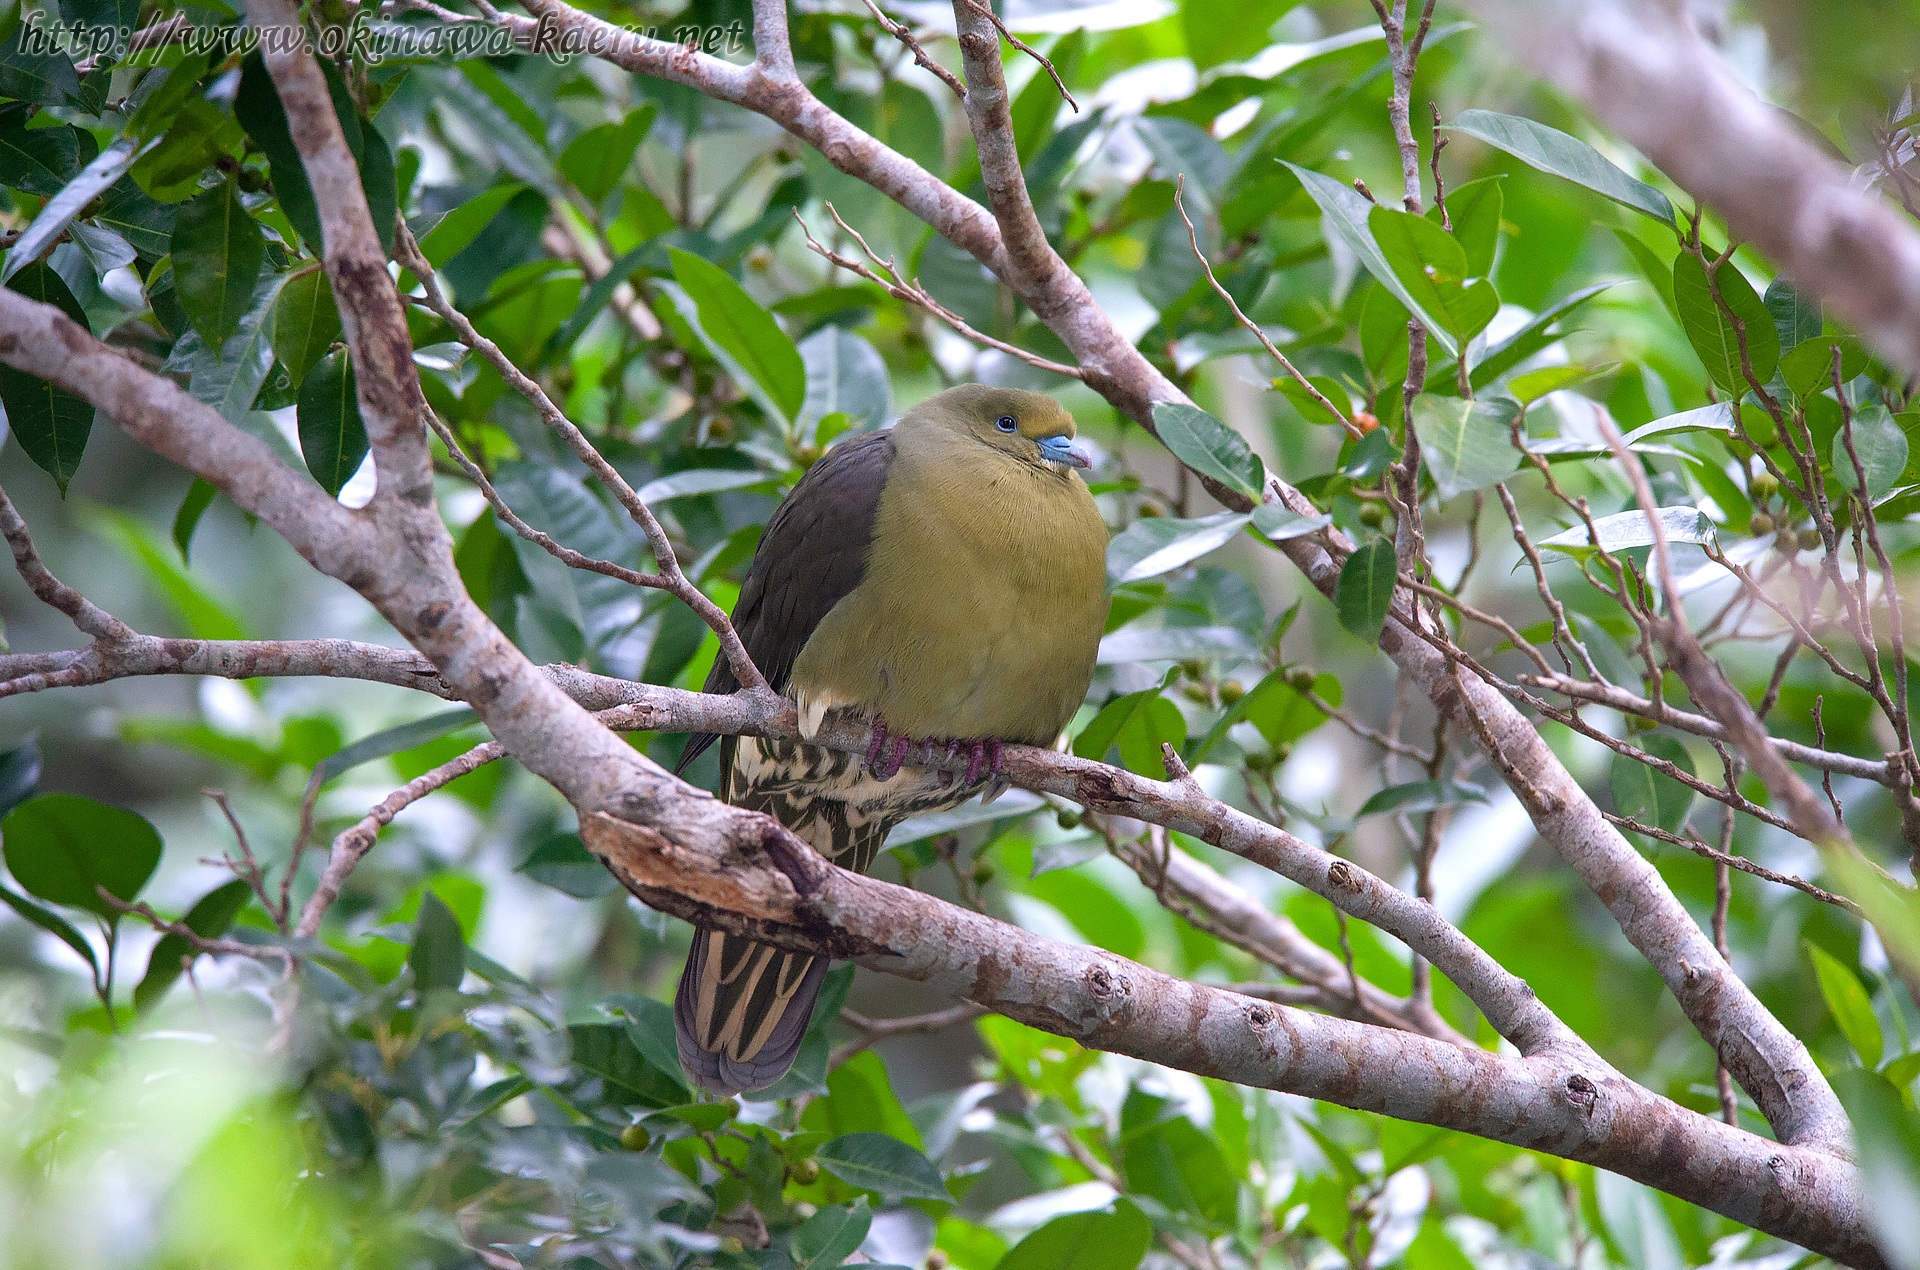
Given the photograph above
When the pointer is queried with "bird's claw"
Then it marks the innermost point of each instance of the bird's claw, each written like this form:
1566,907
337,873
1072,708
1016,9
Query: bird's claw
888,753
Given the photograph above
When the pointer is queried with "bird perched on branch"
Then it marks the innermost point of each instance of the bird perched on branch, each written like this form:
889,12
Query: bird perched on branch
945,579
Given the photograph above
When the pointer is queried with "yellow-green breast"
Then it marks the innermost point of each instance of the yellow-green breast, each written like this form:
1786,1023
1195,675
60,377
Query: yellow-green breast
984,598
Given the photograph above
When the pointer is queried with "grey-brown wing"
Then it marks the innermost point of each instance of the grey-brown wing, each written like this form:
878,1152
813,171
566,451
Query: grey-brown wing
813,553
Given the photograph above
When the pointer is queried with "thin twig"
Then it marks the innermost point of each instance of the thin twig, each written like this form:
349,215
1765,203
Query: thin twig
899,31
988,13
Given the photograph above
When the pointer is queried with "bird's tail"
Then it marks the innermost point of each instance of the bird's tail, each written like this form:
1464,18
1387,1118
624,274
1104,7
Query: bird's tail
742,1010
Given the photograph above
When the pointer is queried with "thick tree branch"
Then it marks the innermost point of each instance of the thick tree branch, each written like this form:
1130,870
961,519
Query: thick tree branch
1560,1102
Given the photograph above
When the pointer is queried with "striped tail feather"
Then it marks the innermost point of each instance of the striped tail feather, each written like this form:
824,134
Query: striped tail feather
742,1007
742,1010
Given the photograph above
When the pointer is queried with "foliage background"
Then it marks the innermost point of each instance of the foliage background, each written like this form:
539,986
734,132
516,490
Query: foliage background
417,1116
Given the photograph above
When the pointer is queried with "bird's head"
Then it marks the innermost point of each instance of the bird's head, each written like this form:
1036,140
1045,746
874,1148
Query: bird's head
1027,426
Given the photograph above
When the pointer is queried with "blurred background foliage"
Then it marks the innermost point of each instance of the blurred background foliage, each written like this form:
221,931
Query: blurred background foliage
477,1066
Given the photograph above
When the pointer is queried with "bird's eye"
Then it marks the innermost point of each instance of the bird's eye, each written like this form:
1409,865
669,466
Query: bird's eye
1006,423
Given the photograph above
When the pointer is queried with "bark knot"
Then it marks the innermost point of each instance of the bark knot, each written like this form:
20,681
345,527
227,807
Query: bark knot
1346,877
1259,1017
1582,1092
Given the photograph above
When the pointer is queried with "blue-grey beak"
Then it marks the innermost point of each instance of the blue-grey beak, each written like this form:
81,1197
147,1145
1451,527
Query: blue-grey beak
1060,450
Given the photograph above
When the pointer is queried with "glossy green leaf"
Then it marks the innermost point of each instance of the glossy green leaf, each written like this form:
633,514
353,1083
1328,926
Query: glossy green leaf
257,106
1364,594
394,740
1432,267
438,956
1558,154
1711,331
876,1162
563,862
217,254
1880,448
209,918
306,323
1114,1240
1624,531
845,375
455,232
333,438
1466,445
1418,796
1809,367
1278,523
1651,797
1349,214
37,160
1796,317
1474,209
827,1238
54,924
1136,724
146,223
377,182
61,847
597,160
1154,545
1851,1006
1209,447
736,322
52,424
198,498
19,773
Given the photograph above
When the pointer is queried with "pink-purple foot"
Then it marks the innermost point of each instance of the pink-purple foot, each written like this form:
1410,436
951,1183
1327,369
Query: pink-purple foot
894,758
983,756
879,742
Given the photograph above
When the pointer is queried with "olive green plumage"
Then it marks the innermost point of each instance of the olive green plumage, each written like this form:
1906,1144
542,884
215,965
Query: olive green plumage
946,578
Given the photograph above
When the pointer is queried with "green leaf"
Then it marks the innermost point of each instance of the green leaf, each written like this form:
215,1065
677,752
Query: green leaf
439,953
209,918
1154,545
1796,317
1717,417
827,1238
455,231
1138,724
1364,593
1115,1240
1209,447
605,1050
876,1162
1349,213
1466,445
1282,712
1554,152
1880,446
1418,796
60,847
736,322
1523,343
1809,367
45,79
54,924
333,439
1535,384
1624,531
51,423
36,160
1277,523
146,223
257,106
1889,1142
650,1028
19,773
1650,797
305,323
217,254
702,480
1432,267
377,182
1657,271
394,740
562,861
1711,331
597,160
1474,209
847,376
1852,1007
202,615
